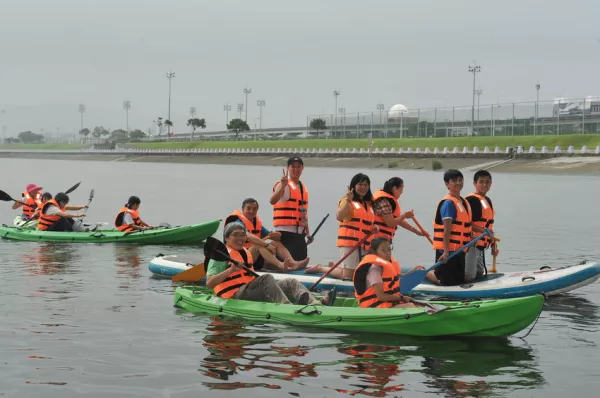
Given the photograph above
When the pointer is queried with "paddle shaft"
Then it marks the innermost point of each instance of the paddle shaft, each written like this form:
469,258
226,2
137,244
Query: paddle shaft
359,244
237,262
319,226
422,230
493,270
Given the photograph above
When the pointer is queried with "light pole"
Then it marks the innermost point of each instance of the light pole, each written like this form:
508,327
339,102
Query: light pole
336,94
82,111
127,107
478,92
380,108
537,101
240,109
170,76
246,91
226,108
343,113
473,69
192,111
2,113
260,104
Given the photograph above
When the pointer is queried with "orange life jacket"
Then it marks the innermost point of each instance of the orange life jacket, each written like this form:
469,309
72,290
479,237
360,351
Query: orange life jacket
235,280
46,221
367,298
460,233
487,218
351,232
253,227
30,204
121,216
289,213
384,230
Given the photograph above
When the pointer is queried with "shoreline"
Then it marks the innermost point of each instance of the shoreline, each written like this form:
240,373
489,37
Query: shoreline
556,164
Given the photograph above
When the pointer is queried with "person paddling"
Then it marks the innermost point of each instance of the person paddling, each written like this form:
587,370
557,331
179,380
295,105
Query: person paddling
262,243
386,207
128,219
231,280
31,201
55,217
377,278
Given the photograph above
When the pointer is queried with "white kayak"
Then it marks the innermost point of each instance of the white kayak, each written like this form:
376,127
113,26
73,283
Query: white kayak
550,281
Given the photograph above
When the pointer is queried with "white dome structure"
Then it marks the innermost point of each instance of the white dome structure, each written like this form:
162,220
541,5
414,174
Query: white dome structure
397,111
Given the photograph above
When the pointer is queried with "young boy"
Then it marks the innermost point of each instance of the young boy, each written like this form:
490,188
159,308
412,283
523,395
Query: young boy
483,214
451,231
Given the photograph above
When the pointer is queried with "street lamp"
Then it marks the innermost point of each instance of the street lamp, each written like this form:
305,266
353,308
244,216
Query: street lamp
380,108
170,76
226,108
192,111
537,102
260,104
343,113
82,111
240,109
246,91
127,107
2,113
473,69
478,92
336,94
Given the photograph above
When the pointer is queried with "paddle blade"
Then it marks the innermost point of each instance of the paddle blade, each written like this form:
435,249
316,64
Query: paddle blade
215,249
194,274
74,187
411,280
5,197
92,192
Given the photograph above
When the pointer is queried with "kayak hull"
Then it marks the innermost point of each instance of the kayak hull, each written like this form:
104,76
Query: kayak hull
515,284
491,318
187,235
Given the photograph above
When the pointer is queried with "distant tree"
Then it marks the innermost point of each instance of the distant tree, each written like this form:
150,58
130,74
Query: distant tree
99,131
237,125
84,132
195,123
119,135
318,125
136,135
28,137
161,125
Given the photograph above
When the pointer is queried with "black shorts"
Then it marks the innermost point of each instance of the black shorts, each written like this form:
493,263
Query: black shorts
259,263
296,244
453,272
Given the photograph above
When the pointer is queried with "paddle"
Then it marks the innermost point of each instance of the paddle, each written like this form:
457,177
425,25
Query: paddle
359,244
319,226
7,198
495,257
163,225
92,192
214,249
74,187
413,278
422,230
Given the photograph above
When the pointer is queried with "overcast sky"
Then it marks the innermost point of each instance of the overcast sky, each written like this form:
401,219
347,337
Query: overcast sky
292,54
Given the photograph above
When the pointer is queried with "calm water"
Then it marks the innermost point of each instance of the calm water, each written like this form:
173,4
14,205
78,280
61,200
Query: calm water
89,319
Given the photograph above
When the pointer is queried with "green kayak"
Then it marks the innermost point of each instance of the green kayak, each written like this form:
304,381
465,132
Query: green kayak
448,318
185,235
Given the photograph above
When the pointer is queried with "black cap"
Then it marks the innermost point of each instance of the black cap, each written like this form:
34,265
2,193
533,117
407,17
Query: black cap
295,159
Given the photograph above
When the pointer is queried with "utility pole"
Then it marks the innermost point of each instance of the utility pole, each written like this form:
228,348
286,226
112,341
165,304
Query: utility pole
473,69
537,102
240,109
343,114
246,91
260,104
336,94
380,108
2,113
82,111
226,108
478,92
127,107
192,111
170,76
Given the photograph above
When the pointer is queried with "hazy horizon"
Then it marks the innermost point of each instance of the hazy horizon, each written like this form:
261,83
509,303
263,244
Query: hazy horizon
292,55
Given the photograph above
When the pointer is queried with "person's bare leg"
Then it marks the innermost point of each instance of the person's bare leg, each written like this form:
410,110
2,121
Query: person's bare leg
338,272
431,276
284,253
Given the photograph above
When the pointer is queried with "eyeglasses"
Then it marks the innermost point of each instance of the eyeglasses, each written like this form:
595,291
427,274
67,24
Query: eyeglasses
238,234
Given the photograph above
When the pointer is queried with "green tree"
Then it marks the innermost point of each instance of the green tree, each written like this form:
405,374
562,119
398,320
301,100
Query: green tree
84,132
28,137
237,125
136,135
170,126
318,125
99,131
119,135
195,123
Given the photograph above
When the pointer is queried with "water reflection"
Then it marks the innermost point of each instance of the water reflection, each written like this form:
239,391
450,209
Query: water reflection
127,260
575,309
47,258
232,351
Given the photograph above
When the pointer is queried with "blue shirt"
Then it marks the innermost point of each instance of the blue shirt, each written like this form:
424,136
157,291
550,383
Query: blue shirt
263,231
448,210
